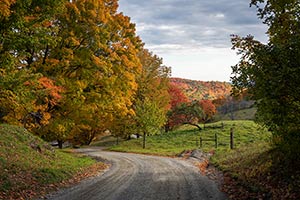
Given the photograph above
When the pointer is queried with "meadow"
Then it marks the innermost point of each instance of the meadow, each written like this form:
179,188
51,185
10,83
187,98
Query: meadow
188,138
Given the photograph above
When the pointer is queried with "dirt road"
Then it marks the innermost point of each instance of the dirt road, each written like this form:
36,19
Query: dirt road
138,177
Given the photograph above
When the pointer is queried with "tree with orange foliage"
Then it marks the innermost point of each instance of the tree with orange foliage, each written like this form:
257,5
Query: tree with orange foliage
177,96
186,113
25,39
209,110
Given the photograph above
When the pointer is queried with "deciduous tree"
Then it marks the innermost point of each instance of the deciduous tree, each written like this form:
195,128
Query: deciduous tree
186,113
209,110
271,71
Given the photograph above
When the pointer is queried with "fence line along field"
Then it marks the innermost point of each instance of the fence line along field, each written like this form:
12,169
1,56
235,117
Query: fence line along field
186,137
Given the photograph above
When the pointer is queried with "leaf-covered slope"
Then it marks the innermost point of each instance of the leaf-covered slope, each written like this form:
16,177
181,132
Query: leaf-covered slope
202,90
28,164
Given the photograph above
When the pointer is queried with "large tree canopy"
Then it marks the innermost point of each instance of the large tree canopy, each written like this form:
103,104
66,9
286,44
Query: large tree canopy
77,65
271,72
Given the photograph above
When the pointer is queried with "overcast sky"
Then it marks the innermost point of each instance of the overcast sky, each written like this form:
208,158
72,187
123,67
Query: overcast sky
193,36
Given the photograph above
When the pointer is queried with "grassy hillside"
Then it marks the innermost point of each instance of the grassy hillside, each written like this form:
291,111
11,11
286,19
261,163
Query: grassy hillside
28,165
202,89
244,114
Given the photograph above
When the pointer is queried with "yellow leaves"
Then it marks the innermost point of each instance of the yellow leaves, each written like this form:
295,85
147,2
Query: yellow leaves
51,63
98,61
131,112
84,127
73,8
5,7
81,84
73,41
60,128
46,118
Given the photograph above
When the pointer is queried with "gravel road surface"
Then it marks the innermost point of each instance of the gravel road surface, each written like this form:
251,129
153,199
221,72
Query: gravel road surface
138,177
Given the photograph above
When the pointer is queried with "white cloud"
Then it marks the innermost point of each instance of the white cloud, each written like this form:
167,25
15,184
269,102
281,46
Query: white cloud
197,30
219,16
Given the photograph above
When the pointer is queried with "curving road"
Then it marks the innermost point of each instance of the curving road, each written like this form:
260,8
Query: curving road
138,177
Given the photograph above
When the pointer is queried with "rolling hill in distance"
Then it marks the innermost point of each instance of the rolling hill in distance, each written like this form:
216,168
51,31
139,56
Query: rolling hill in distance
194,89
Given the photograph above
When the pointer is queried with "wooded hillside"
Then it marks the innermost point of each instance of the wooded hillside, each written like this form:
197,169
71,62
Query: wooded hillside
202,90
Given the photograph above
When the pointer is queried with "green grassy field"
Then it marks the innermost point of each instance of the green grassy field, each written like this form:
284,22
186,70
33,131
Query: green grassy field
187,138
27,163
244,114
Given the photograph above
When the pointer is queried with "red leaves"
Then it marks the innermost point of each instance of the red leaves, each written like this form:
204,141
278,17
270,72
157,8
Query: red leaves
177,95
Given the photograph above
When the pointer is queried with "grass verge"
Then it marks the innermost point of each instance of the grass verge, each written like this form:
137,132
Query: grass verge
257,171
30,167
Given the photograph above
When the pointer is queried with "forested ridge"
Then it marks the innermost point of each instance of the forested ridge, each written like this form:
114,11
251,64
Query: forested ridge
195,89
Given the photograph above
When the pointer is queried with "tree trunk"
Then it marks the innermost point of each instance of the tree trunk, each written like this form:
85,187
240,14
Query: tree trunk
60,144
91,137
199,127
144,140
167,128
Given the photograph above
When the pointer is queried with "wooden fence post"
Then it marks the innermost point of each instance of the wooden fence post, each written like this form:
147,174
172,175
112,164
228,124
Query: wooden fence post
231,138
200,142
216,140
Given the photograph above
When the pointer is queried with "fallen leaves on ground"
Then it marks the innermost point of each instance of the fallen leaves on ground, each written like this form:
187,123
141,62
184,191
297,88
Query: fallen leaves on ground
275,184
40,190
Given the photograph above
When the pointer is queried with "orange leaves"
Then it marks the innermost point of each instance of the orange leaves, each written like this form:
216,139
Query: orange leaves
47,23
197,90
203,166
208,108
53,90
29,18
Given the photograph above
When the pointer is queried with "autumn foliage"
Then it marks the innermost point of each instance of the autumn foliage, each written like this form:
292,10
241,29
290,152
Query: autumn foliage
177,95
185,108
208,108
77,65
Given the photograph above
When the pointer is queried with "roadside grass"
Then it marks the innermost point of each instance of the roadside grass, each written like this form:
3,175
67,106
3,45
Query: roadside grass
28,165
187,138
258,171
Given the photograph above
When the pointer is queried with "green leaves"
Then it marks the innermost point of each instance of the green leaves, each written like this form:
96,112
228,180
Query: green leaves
271,71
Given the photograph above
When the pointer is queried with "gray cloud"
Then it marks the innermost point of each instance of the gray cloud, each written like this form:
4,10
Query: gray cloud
202,23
